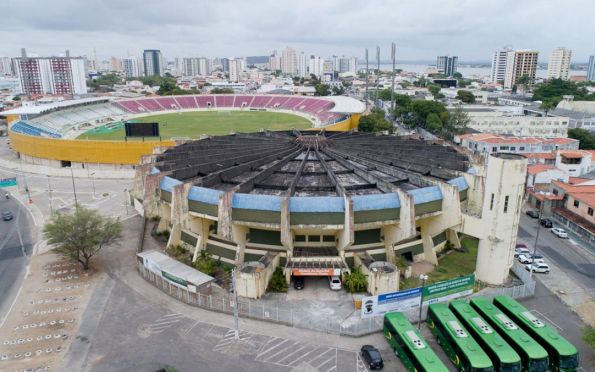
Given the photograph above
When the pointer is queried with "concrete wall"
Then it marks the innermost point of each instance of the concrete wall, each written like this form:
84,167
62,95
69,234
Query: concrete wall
504,189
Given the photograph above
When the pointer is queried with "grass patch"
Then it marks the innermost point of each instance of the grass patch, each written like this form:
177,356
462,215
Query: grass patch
456,263
193,124
589,336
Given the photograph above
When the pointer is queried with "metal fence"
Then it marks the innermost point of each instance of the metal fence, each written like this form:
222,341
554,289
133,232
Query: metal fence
274,312
583,233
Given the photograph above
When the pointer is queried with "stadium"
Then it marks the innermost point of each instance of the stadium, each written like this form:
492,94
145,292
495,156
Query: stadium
90,131
319,203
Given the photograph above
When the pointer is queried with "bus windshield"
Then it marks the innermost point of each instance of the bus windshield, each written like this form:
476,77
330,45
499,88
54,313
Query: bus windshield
515,367
569,362
539,364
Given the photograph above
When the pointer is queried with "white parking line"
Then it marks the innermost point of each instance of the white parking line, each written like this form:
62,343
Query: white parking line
541,315
174,314
328,360
280,351
288,355
271,348
295,361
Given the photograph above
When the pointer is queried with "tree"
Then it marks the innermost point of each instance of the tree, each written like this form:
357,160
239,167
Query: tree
456,122
16,98
277,282
523,80
548,106
433,123
375,122
322,89
435,90
457,75
384,94
586,138
367,123
338,90
466,96
221,91
81,235
555,89
355,282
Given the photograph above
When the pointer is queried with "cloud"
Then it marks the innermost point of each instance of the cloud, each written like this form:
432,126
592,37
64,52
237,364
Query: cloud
471,29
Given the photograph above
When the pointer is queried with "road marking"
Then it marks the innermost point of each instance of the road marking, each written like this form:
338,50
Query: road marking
328,360
172,315
269,349
288,355
303,356
292,343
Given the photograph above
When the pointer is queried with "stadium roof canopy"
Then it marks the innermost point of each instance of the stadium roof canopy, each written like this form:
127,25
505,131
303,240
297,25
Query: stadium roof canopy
39,109
347,105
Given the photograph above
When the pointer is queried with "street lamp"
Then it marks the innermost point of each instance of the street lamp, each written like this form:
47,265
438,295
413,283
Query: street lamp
126,200
73,186
92,177
423,279
536,236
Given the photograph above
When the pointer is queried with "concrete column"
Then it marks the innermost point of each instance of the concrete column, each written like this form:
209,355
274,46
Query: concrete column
174,235
152,193
224,221
179,204
142,171
406,228
504,188
346,236
390,233
453,237
285,227
201,226
239,237
428,243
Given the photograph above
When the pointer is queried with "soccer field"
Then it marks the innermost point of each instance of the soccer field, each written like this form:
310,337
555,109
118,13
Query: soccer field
193,124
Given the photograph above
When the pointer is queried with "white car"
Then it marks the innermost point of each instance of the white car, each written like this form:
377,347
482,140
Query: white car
560,233
520,251
538,267
527,259
334,282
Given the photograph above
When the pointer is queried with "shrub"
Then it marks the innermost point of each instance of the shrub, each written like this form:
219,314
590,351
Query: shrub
278,282
355,282
589,336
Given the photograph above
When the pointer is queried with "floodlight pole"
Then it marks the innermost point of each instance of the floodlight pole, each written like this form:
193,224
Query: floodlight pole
393,52
423,279
236,314
377,71
367,79
73,186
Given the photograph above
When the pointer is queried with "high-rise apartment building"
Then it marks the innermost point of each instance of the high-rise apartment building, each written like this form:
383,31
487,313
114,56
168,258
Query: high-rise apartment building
204,66
591,69
289,61
116,64
190,67
274,61
6,66
51,75
499,63
315,65
302,65
236,66
353,65
343,64
521,63
153,62
131,66
559,64
447,65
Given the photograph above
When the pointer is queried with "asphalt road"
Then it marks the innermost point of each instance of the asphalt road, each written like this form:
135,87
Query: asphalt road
14,257
572,259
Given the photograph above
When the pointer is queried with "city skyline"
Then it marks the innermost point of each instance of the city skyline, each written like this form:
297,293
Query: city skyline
229,29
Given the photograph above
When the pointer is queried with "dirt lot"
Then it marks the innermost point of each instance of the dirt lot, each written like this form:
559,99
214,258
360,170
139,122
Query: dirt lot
46,314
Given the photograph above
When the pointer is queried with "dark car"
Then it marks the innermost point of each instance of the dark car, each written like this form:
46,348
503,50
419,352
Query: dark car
372,357
7,215
533,214
298,282
546,222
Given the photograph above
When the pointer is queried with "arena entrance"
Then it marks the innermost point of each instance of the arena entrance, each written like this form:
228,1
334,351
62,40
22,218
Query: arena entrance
312,270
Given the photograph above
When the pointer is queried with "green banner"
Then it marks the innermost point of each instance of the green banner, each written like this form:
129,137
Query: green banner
448,289
7,182
173,278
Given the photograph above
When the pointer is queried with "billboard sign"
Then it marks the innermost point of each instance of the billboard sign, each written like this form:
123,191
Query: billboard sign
137,129
315,272
8,182
395,301
449,289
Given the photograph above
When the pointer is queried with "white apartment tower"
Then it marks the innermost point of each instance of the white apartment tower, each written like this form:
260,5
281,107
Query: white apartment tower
289,61
353,65
316,65
131,66
499,63
51,75
236,66
204,66
559,64
302,65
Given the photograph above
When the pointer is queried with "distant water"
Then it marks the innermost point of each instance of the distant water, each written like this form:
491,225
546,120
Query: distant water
468,72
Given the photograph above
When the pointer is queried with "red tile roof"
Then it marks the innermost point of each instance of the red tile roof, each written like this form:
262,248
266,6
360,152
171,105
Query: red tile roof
572,154
575,180
539,155
539,168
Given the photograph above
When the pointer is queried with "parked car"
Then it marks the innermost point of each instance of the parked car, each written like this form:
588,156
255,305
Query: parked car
520,245
546,222
334,282
7,215
372,357
521,251
538,267
298,282
560,233
527,259
533,214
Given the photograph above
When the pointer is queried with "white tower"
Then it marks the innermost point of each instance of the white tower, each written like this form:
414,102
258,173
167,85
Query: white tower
504,188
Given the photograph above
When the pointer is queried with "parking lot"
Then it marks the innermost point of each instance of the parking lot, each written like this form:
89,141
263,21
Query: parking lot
36,336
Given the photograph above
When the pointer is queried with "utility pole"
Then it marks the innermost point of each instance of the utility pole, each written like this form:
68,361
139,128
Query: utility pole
377,70
126,200
423,279
50,195
73,186
393,52
236,314
536,236
367,79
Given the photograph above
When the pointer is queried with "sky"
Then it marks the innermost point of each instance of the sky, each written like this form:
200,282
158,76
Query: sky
471,29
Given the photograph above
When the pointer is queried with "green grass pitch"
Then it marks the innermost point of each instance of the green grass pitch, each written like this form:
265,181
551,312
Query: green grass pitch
193,124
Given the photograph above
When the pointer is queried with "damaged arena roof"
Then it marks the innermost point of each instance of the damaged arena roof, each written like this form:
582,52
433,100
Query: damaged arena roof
310,163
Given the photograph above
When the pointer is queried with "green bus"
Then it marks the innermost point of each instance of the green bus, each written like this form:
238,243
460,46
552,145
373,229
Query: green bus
503,356
409,345
533,356
459,345
563,354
